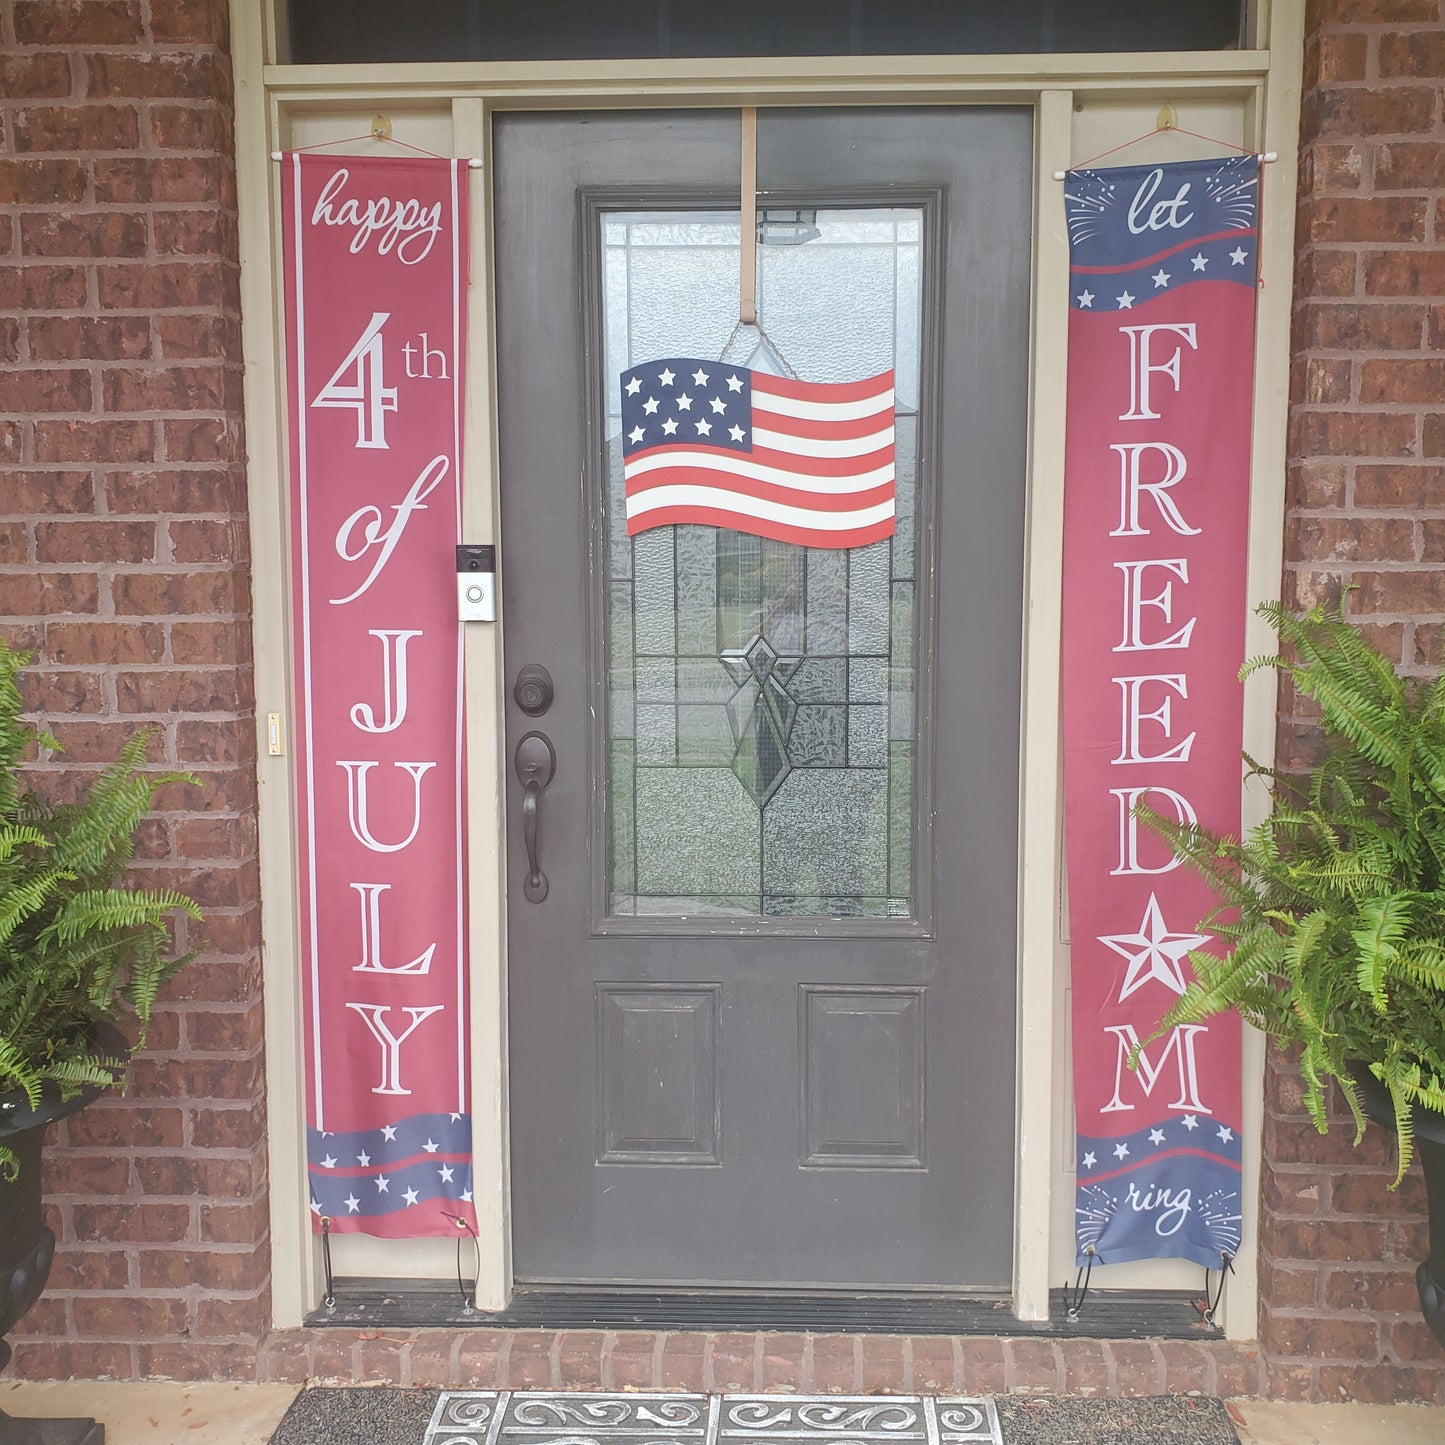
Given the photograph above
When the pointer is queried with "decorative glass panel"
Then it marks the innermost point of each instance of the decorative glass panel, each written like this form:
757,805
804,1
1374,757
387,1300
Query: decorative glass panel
760,705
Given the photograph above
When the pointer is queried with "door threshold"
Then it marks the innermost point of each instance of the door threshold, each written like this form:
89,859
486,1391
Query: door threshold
1107,1314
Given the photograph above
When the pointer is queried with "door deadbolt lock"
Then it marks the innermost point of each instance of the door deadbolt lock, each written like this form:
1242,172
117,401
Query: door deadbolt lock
533,690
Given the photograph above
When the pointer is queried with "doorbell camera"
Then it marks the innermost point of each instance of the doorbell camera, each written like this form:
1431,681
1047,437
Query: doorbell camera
477,582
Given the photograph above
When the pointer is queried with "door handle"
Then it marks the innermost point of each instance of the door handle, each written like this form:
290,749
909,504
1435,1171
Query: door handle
536,764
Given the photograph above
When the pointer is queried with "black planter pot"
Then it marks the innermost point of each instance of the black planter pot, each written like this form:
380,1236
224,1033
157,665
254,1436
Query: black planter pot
27,1245
1430,1149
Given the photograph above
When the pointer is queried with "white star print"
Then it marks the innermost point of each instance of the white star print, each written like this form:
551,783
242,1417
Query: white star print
466,1196
736,433
665,378
410,1196
635,435
1199,260
363,1158
329,1162
1090,1159
684,402
1225,1133
1190,1122
388,1131
1238,255
704,427
315,1206
700,376
1126,301
1160,278
719,406
669,426
1121,1151
446,1173
430,1147
1156,1136
734,384
455,1118
1086,299
352,1203
634,386
383,1184
649,406
1153,952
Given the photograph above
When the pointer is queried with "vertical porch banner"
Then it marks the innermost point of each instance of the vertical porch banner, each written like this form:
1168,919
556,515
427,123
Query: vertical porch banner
375,252
1160,378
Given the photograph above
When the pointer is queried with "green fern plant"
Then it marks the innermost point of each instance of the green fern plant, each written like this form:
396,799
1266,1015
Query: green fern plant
78,946
1334,906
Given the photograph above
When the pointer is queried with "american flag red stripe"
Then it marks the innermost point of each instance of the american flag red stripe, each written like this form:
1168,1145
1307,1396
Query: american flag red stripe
805,462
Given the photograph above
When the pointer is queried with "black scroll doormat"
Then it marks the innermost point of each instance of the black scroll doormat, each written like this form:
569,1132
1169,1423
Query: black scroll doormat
380,1415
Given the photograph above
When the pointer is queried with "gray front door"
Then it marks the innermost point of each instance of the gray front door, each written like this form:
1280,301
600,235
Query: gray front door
762,1022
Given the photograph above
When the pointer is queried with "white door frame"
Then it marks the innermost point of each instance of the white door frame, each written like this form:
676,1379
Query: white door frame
1082,105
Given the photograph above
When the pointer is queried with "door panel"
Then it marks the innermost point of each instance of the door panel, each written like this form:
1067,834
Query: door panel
762,1023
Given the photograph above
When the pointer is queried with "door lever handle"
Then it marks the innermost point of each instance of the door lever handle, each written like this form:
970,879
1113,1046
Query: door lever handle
536,764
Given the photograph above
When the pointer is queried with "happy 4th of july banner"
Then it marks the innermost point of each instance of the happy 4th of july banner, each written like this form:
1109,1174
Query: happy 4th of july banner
1163,265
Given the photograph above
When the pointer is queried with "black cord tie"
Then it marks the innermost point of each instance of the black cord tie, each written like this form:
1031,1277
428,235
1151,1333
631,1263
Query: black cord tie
1211,1304
464,1225
1074,1298
330,1300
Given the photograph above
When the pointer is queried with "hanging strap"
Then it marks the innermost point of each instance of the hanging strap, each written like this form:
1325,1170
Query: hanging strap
748,229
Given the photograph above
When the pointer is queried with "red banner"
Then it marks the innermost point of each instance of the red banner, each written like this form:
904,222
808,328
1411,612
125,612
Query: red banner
1156,511
375,253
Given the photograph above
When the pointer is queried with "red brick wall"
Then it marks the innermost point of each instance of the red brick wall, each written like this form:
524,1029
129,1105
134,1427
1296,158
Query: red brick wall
123,563
1366,505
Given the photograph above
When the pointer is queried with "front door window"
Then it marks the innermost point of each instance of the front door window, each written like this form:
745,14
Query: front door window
761,694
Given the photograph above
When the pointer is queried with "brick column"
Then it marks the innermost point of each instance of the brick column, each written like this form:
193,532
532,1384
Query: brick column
123,564
1339,1318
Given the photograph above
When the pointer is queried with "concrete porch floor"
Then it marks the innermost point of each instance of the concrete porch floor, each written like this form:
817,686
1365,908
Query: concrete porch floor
162,1413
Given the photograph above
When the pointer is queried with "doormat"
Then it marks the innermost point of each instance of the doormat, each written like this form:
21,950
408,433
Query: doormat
381,1415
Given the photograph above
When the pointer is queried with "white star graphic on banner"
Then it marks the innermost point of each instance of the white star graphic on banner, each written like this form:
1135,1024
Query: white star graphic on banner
431,1146
1156,1136
1153,952
315,1206
363,1158
410,1196
388,1132
1121,1151
329,1162
1126,301
736,433
446,1173
1199,260
684,402
650,406
666,377
1160,278
1190,1122
1239,255
636,434
704,427
1086,299
634,386
466,1196
1090,1159
700,376
352,1203
383,1184
718,405
455,1118
734,384
1225,1133
669,426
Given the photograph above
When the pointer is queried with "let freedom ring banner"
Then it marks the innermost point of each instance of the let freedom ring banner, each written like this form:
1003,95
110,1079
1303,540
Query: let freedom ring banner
375,253
1163,263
